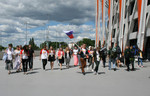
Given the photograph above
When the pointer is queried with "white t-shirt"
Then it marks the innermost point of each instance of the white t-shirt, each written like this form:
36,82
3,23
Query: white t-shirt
10,54
44,54
51,53
24,55
68,54
84,51
75,51
97,56
17,52
91,53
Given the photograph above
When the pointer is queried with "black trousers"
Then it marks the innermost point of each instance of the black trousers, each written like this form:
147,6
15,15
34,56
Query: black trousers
97,66
132,63
30,62
44,61
104,61
127,63
25,64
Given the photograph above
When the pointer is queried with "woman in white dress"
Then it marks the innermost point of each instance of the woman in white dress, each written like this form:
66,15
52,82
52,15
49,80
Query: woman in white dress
9,60
17,59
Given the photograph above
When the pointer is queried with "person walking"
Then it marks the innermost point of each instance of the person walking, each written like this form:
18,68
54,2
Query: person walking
91,58
127,54
132,58
118,51
114,57
44,56
17,59
9,60
24,58
109,56
30,57
103,54
140,57
97,58
75,53
61,57
84,55
51,57
79,61
20,48
67,57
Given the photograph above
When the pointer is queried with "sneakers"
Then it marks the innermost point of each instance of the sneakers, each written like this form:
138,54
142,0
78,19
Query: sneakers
83,73
92,70
142,66
95,73
87,68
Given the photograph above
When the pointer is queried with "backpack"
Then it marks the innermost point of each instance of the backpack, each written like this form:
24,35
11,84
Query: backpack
113,53
118,50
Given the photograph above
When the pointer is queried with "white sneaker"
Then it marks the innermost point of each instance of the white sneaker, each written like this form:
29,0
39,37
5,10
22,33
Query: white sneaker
95,73
87,68
92,70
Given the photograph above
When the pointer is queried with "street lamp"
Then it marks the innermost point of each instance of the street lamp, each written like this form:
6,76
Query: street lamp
26,32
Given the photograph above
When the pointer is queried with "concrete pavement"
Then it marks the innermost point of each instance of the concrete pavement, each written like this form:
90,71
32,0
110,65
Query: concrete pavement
70,82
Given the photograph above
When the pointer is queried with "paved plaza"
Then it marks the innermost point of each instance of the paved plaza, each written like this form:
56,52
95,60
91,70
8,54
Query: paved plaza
70,82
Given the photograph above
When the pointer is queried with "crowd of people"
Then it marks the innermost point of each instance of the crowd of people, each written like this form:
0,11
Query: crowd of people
23,57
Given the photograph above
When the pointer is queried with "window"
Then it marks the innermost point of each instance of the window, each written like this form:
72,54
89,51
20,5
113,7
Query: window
126,10
113,33
148,3
135,28
131,6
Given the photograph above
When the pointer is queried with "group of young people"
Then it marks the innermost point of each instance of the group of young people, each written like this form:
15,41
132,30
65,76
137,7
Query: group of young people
24,57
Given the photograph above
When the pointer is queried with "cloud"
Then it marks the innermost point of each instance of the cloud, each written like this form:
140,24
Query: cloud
15,13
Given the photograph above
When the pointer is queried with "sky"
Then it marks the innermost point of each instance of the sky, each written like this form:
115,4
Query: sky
46,18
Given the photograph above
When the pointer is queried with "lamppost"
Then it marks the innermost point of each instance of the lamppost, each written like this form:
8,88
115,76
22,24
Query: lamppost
26,35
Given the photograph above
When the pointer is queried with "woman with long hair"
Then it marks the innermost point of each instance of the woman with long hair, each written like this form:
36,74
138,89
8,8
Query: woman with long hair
67,56
24,58
17,59
51,57
91,58
44,55
9,60
61,57
140,57
97,58
75,55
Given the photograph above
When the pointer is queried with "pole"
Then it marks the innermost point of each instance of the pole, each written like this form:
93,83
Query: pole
26,33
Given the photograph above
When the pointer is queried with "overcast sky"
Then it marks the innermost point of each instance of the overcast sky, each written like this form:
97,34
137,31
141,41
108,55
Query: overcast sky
42,15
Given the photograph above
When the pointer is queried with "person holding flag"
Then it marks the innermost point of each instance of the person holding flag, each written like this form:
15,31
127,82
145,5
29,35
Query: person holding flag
84,55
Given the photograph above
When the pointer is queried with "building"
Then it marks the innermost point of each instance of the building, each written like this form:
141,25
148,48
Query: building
127,25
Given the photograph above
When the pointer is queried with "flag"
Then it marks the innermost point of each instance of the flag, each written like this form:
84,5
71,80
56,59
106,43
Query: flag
69,34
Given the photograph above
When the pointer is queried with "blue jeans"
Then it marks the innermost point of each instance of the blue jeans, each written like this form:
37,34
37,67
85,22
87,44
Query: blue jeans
110,60
114,63
140,60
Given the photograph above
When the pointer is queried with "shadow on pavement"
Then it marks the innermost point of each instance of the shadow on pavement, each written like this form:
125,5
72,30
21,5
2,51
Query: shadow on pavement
33,72
37,68
101,73
85,72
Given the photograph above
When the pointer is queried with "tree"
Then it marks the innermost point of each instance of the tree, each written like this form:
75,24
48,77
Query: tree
1,47
32,43
86,41
54,44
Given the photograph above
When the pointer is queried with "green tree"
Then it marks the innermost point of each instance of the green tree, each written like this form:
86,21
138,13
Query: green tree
32,43
1,47
86,41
